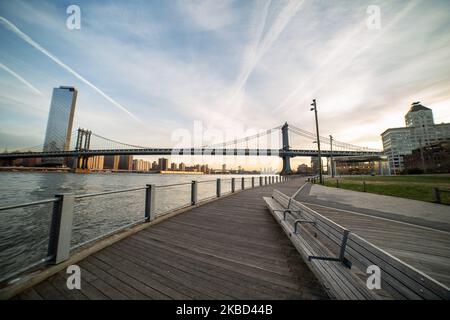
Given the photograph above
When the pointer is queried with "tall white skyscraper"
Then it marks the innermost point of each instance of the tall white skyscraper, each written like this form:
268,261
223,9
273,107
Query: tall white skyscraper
60,121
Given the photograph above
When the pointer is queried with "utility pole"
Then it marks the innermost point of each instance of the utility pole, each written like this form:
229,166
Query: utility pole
314,108
331,156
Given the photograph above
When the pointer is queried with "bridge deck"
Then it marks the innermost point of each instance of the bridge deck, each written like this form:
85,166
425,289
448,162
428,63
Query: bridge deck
227,249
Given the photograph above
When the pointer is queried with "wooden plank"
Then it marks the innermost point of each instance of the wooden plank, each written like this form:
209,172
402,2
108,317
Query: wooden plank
257,275
229,248
418,282
407,280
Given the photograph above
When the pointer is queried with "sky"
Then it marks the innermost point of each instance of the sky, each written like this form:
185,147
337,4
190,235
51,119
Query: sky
152,73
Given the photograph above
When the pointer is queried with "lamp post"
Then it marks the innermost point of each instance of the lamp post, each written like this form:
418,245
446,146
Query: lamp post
331,156
314,108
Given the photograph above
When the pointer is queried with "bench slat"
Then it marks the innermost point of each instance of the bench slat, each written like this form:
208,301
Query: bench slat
338,280
398,278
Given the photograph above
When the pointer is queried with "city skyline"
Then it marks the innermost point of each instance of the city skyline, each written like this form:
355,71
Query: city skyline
221,71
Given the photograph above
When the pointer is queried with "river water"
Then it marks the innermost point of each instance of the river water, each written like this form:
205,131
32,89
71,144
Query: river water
24,231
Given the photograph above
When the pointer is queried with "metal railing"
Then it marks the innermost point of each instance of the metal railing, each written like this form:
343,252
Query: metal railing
60,234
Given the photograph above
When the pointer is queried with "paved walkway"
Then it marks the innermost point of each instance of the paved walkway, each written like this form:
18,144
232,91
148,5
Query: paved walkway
231,248
416,212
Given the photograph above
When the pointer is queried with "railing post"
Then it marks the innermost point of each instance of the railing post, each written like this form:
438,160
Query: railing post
364,186
61,228
260,181
150,202
253,182
194,193
243,183
265,180
337,183
343,245
218,191
233,186
437,195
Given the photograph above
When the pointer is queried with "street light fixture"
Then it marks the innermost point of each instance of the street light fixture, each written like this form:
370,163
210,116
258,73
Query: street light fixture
314,108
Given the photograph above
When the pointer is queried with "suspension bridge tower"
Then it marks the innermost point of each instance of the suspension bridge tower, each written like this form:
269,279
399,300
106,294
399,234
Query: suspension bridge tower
83,143
286,159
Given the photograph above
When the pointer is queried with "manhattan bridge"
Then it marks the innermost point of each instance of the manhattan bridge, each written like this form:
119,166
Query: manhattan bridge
290,141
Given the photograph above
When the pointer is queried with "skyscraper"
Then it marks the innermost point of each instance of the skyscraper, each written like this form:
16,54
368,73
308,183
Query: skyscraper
60,121
126,162
163,164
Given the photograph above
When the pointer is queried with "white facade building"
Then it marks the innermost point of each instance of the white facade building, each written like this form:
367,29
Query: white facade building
419,132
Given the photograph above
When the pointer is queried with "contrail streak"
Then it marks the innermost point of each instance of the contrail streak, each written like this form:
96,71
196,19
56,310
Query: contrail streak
25,82
263,46
350,58
9,25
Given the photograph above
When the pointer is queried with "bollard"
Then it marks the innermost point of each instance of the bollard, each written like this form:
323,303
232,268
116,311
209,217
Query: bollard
242,183
194,193
337,183
233,185
150,202
260,181
253,182
265,181
436,195
218,191
364,186
61,228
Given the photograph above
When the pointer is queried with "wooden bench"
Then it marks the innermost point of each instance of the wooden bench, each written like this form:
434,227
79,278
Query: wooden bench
340,258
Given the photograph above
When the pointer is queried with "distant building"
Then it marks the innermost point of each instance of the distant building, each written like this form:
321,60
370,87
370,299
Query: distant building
126,162
303,169
224,168
182,167
173,166
163,164
59,124
111,162
96,162
434,158
420,131
154,165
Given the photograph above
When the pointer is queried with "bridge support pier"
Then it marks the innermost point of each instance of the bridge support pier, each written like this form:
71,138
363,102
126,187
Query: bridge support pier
286,166
83,143
286,159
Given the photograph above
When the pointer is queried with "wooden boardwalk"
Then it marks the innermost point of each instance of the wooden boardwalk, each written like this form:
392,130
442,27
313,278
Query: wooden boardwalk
230,248
426,249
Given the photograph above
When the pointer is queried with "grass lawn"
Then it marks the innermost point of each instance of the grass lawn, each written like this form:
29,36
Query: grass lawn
412,187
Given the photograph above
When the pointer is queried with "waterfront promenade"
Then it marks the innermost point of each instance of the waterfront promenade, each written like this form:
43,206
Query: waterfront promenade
230,248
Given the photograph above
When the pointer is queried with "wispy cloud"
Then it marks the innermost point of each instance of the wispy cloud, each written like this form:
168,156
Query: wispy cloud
264,43
37,46
15,75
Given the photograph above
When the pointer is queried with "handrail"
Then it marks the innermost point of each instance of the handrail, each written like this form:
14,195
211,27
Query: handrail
27,204
89,195
173,185
64,206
